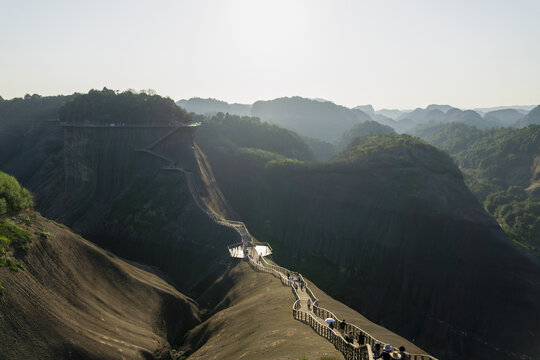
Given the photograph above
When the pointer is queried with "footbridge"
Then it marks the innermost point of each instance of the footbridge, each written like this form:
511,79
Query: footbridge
306,307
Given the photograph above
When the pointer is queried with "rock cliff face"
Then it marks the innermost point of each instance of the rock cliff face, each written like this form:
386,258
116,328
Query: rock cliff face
397,235
94,181
76,301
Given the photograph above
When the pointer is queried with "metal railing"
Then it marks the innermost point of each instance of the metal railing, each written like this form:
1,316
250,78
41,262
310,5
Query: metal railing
347,349
351,352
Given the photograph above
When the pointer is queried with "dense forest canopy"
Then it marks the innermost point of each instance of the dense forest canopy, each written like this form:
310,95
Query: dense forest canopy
111,107
500,167
32,107
397,150
236,132
489,156
369,127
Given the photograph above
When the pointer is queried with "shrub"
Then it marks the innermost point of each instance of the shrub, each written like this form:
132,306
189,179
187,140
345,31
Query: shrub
18,237
13,197
43,234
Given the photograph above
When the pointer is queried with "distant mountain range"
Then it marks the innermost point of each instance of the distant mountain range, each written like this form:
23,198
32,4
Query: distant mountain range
213,106
324,120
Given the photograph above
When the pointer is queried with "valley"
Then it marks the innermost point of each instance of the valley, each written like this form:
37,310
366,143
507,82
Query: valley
386,227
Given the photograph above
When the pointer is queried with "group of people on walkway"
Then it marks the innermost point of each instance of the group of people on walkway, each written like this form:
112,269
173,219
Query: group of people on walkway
389,353
296,281
386,353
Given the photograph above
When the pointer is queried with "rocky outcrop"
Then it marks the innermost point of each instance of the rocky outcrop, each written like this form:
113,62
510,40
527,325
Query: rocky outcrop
94,180
397,235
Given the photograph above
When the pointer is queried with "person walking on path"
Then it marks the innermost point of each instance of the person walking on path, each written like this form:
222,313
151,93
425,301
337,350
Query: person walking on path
349,337
377,349
402,353
361,338
386,353
342,326
309,304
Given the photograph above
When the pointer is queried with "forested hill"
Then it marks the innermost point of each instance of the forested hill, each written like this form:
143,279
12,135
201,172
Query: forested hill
316,119
499,157
252,137
107,106
502,168
32,107
533,117
362,129
213,106
390,213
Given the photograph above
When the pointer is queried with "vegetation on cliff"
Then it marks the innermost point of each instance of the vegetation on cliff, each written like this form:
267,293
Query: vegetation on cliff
32,107
111,107
13,197
234,133
375,151
519,216
362,129
498,164
14,239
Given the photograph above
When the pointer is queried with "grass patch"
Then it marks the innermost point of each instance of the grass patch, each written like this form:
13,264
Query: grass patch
44,235
22,220
19,238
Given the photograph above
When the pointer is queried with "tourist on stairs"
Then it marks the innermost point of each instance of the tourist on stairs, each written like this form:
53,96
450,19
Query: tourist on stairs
386,353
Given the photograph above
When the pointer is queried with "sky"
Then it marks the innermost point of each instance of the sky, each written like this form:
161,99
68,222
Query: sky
391,54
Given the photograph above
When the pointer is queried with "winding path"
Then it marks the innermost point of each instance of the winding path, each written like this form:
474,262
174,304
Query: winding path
315,315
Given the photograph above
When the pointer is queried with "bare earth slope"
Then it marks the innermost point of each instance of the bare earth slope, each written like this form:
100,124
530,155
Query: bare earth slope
76,301
253,320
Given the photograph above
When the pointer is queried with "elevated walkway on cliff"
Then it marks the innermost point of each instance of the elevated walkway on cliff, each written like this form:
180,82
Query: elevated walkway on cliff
253,251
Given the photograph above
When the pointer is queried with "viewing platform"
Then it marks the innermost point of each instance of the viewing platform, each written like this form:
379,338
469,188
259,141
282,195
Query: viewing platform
240,250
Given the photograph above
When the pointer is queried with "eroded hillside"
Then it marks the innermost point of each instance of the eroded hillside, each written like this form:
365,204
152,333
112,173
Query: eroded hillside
74,300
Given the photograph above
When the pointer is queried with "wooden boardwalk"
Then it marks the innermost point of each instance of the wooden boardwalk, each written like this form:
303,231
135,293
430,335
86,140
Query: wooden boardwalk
314,316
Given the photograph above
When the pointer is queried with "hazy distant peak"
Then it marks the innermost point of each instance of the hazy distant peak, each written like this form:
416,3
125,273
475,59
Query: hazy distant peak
368,109
391,113
520,108
320,100
443,108
211,106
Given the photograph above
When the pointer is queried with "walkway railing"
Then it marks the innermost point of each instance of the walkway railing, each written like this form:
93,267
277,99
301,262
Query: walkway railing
348,350
351,352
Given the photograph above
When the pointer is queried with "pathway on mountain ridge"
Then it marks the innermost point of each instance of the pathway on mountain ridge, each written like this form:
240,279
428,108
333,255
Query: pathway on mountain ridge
218,209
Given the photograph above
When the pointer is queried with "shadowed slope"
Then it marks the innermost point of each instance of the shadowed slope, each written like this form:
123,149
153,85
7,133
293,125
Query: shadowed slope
76,301
389,228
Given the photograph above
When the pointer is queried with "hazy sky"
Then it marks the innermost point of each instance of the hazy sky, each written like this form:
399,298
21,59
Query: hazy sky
400,54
